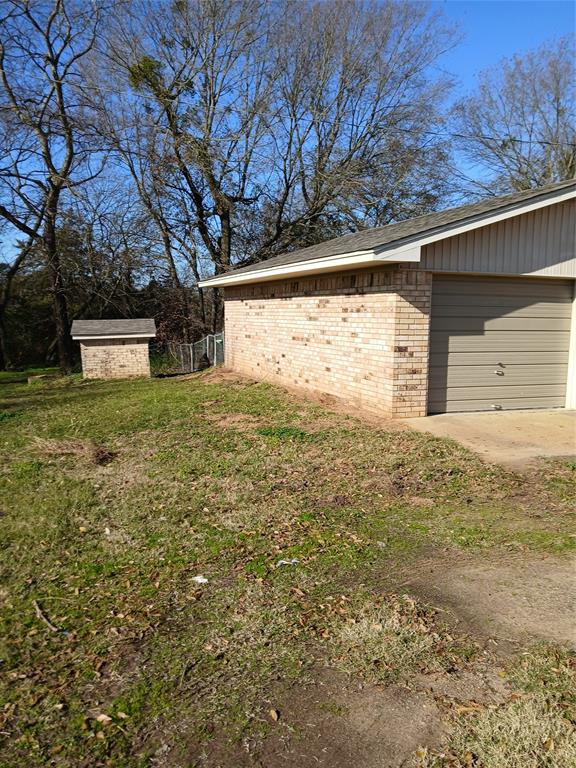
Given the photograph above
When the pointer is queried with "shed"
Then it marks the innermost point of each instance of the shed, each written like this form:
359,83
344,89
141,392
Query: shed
468,309
114,349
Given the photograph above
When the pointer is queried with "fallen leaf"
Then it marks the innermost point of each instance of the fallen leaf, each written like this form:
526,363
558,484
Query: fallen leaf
104,719
275,715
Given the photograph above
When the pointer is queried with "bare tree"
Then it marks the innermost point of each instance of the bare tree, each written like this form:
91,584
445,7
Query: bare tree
274,124
352,101
519,127
44,155
106,245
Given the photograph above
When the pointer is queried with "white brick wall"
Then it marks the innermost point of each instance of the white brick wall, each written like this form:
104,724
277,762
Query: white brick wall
115,358
362,336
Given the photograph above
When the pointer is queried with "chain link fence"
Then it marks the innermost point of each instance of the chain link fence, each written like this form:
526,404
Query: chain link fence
187,358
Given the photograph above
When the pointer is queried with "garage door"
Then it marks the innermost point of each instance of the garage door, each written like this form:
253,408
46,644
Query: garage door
498,343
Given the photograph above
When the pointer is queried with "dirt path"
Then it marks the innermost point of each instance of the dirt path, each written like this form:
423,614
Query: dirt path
339,723
335,720
509,600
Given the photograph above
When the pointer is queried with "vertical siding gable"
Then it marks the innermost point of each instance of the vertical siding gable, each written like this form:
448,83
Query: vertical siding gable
542,242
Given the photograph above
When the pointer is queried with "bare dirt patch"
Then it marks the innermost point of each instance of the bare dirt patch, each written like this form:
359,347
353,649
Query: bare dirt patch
508,600
335,721
337,409
342,410
468,688
221,376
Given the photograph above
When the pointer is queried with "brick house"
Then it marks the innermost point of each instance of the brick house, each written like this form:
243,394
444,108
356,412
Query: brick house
114,349
463,310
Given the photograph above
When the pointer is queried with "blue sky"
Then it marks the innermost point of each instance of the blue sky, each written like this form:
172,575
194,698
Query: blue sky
493,29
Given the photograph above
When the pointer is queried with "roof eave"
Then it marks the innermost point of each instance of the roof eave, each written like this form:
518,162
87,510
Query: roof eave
326,264
480,220
89,336
397,252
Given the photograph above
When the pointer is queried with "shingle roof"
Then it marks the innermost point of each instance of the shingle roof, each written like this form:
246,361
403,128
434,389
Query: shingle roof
406,231
113,328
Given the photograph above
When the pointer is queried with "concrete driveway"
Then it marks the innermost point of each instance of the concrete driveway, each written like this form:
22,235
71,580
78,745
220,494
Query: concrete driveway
513,438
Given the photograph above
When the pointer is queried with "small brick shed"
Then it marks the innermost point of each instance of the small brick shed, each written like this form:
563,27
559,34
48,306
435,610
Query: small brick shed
114,349
467,309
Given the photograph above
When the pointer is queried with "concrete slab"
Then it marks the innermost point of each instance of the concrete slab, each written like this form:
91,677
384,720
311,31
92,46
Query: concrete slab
513,438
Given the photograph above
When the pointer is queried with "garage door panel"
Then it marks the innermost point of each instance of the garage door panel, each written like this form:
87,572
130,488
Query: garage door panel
499,309
505,341
463,406
480,325
490,359
484,375
518,327
495,391
538,290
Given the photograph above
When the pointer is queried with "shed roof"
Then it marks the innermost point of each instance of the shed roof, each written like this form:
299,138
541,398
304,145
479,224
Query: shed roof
434,226
113,329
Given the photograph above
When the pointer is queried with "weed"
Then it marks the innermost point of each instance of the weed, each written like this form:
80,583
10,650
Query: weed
6,415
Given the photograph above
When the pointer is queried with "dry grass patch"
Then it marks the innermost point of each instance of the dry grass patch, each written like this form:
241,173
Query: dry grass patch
533,728
242,422
523,732
395,639
86,450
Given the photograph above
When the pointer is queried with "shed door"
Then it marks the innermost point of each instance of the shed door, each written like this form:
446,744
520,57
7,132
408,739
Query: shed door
498,343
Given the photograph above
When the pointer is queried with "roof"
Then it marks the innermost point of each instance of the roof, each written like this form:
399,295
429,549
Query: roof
109,329
374,242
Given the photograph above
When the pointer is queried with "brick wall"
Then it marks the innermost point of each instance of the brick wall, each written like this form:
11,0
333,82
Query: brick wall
115,358
361,336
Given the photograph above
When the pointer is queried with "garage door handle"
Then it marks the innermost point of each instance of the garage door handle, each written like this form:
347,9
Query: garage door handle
499,373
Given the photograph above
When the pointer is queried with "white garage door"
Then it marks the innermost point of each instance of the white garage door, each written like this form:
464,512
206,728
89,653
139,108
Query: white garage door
498,343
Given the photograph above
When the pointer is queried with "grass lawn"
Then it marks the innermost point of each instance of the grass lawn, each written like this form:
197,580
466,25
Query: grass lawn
116,496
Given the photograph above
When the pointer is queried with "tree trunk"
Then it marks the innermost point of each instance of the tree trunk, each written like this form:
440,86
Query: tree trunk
5,292
180,289
4,354
59,302
202,302
222,265
217,311
193,263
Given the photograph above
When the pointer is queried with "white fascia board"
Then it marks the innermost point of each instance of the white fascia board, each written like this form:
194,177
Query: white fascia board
116,336
315,266
494,218
325,264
